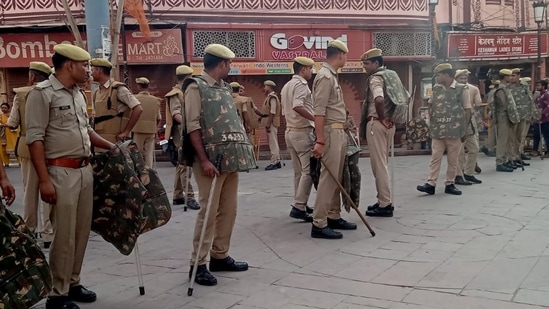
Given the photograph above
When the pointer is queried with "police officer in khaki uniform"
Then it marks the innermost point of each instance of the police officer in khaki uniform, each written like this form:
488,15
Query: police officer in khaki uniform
116,109
525,104
468,161
38,72
216,135
502,110
272,107
144,132
449,112
380,131
489,147
331,143
174,119
250,119
59,138
297,105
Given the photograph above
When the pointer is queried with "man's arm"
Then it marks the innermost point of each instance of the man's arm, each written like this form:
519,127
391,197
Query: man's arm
467,106
322,88
98,141
126,97
13,120
272,106
8,191
300,94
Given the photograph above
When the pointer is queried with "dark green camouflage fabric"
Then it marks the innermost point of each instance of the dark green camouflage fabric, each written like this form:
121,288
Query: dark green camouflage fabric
129,198
417,131
523,100
397,93
25,276
222,131
351,179
510,106
447,116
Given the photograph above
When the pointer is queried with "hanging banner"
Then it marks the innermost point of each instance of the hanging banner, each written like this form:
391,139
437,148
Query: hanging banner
477,46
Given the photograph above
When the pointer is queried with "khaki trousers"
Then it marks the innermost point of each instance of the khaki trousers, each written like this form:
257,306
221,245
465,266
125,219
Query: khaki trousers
219,229
179,183
503,130
71,217
145,144
252,140
467,162
452,147
31,200
328,202
273,145
379,143
491,140
300,143
517,139
527,124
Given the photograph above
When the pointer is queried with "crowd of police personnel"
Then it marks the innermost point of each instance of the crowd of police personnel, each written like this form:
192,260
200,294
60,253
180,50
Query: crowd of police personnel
219,127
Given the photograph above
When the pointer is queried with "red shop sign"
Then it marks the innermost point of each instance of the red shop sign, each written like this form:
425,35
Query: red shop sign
285,45
17,50
495,45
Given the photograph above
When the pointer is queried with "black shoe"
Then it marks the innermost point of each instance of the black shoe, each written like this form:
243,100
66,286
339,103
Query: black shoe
325,232
60,302
80,294
227,264
193,204
271,167
278,165
472,179
309,209
504,168
522,163
451,189
372,207
341,224
47,244
427,188
525,157
460,181
381,212
510,164
300,214
478,170
203,276
179,201
484,149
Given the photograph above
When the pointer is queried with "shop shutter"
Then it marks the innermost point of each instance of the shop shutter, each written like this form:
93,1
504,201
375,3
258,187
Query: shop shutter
16,77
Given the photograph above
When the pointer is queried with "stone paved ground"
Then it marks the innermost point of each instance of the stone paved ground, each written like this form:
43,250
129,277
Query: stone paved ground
485,249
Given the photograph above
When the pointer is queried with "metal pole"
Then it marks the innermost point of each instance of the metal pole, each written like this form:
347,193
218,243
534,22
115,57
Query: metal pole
97,19
432,23
538,71
124,51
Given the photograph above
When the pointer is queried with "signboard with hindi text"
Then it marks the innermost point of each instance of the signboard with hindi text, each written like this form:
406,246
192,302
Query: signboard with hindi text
280,68
480,46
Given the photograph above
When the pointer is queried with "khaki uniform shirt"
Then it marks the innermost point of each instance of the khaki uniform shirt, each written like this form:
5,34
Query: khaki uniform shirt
476,100
296,93
13,120
272,102
193,103
59,118
159,115
123,95
175,105
327,96
376,89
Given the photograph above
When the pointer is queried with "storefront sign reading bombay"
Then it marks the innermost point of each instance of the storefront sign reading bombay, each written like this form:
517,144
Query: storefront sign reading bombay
17,50
477,46
274,68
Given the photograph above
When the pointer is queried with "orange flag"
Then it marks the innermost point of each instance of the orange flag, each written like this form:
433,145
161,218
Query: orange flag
136,10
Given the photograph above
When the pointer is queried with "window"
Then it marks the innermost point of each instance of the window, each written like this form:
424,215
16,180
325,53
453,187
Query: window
403,43
242,43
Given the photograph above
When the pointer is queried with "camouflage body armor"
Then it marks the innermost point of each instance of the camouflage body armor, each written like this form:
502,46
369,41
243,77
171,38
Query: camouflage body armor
523,100
511,108
173,129
25,276
128,197
446,113
222,132
266,110
396,92
22,150
108,121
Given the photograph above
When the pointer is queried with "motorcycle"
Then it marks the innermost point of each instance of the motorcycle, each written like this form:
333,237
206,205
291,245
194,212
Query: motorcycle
168,146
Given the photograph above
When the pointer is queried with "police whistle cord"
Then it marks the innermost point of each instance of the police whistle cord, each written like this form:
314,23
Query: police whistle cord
353,205
139,270
213,189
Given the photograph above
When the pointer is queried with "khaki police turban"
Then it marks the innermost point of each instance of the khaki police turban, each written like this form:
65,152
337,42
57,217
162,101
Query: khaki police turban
220,51
40,66
72,52
100,62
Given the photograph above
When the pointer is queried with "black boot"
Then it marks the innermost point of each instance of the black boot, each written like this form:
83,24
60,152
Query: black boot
341,224
451,189
386,211
478,170
472,179
60,302
300,214
372,207
227,264
460,181
203,276
81,294
504,168
525,157
325,232
427,188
